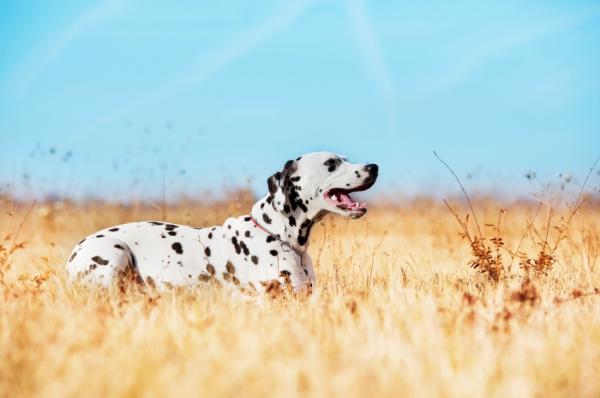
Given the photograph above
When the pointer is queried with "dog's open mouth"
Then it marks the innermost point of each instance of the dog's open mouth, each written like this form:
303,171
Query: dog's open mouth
341,198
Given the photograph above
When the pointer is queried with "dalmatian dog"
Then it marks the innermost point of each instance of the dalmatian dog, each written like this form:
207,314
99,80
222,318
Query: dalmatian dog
259,252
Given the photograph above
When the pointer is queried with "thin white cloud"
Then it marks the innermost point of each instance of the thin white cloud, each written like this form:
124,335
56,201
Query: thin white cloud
469,60
372,56
205,65
50,49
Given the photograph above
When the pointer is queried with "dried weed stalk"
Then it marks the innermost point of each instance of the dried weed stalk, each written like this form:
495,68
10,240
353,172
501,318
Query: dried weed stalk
10,244
486,252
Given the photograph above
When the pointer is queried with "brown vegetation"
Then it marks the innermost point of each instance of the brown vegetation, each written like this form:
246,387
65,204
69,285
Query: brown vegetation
398,311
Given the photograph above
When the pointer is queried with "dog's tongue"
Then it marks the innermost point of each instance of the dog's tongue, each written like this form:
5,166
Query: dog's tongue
345,198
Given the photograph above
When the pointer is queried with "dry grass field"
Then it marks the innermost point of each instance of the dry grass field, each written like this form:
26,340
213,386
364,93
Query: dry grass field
399,310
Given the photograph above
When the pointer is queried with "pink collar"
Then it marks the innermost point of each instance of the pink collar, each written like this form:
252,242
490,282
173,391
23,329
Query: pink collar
260,226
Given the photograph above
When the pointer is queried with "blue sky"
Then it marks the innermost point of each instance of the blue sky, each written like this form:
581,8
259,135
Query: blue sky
109,98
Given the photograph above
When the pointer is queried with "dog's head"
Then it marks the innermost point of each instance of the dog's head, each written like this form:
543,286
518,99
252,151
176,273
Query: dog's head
321,182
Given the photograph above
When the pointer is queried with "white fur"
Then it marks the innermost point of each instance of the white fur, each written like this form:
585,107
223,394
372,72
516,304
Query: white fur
238,254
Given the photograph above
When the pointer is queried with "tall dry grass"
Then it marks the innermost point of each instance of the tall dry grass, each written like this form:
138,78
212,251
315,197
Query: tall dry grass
399,311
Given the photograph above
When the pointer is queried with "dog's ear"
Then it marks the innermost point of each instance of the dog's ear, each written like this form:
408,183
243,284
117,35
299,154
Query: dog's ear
278,185
273,182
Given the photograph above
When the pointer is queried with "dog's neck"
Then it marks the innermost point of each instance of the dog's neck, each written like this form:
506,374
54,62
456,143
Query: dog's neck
292,226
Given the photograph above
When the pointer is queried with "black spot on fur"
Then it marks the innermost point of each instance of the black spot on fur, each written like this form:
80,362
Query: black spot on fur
266,218
93,267
236,245
296,200
262,205
292,221
114,229
210,235
247,234
332,164
244,248
357,173
177,247
119,247
273,252
304,231
229,267
170,227
82,240
172,233
254,259
207,251
271,238
99,260
247,218
99,236
285,273
155,223
72,256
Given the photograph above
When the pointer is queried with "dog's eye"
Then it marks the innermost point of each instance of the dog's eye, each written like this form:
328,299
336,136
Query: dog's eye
332,164
331,161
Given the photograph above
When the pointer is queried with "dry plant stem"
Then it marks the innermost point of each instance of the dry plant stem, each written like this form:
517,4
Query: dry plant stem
498,235
548,225
464,191
17,233
576,295
483,260
462,224
369,279
578,204
530,222
373,331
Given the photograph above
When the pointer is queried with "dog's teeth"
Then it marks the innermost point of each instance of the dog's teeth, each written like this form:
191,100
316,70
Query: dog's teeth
333,197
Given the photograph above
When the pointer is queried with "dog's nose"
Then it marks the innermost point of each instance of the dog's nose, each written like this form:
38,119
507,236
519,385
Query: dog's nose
372,168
